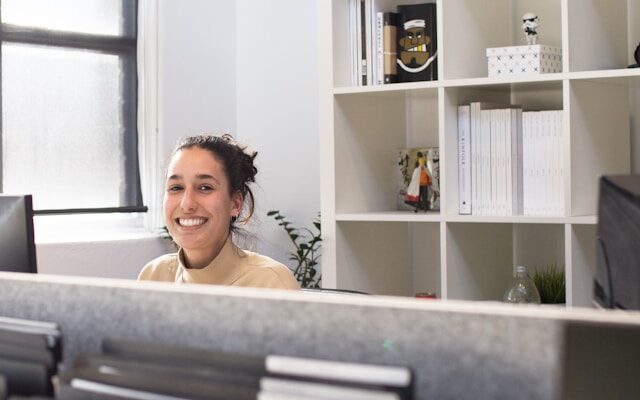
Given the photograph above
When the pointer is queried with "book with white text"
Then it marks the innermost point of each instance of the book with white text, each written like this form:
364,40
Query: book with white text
465,204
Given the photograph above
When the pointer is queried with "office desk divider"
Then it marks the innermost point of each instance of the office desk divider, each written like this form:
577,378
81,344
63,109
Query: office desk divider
455,350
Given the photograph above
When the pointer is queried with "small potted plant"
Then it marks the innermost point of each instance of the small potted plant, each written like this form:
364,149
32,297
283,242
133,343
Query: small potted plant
550,283
307,250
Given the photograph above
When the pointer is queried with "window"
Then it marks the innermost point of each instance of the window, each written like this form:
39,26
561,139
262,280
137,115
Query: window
69,123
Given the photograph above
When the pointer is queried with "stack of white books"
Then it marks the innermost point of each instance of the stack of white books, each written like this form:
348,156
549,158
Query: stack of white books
543,169
509,161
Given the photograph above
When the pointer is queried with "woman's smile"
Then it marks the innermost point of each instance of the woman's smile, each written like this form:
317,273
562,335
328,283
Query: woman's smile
191,222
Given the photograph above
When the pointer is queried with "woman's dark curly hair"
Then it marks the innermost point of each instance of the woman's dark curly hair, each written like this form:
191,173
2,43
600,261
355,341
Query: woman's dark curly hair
236,160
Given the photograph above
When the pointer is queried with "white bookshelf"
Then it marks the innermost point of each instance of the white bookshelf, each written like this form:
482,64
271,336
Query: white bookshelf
369,246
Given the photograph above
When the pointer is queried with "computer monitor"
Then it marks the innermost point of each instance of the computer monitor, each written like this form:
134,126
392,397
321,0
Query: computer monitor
17,247
617,274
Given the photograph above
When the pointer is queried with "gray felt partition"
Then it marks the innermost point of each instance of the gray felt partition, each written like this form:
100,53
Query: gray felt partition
457,350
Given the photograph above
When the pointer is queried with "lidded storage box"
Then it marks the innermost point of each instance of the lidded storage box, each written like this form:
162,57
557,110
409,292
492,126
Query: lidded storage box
518,60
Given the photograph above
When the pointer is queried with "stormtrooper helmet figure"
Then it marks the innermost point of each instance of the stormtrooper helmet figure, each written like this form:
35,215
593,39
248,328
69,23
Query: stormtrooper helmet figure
530,24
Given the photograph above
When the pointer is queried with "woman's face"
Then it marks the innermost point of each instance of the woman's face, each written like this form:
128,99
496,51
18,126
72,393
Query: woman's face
197,203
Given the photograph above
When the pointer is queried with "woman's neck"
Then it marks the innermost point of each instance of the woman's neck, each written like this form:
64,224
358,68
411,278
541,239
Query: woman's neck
200,258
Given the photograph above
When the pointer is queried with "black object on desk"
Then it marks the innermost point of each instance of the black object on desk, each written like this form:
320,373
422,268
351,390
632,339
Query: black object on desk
636,55
17,246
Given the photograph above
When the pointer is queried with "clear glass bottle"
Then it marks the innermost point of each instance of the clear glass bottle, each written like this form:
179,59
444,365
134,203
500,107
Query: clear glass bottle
522,289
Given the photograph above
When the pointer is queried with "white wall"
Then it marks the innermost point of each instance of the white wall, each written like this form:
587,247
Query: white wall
110,259
197,71
237,66
278,112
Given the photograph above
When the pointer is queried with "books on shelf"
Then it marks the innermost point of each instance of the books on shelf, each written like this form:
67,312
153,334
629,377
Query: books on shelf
418,179
392,43
509,161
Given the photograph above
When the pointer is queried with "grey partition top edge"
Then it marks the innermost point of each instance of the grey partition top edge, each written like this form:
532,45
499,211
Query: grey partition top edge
450,306
457,350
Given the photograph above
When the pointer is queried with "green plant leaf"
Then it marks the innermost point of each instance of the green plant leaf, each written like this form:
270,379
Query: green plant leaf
307,271
550,283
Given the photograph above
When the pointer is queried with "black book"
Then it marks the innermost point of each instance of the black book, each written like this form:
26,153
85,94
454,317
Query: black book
417,43
145,383
185,357
25,377
33,334
28,354
168,368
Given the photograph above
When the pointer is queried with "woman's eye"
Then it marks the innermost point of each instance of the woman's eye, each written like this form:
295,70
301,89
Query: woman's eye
174,188
205,188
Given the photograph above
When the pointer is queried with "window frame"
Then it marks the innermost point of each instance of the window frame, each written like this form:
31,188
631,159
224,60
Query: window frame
124,46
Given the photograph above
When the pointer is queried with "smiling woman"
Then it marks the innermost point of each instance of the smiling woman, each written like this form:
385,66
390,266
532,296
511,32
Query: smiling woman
207,189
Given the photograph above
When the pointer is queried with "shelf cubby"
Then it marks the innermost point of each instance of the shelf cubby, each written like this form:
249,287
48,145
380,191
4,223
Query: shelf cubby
582,259
601,34
470,26
481,256
599,123
372,128
389,258
530,96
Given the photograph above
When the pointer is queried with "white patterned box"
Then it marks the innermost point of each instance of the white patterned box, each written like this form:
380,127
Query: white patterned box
518,60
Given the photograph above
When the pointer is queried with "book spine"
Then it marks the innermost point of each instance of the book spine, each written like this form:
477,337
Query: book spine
527,185
379,64
353,43
503,186
553,194
464,166
509,162
538,181
475,151
493,157
516,161
547,152
362,43
369,39
561,141
389,35
485,117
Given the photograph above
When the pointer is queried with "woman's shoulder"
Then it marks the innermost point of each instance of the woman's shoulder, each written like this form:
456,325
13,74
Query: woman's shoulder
162,268
269,272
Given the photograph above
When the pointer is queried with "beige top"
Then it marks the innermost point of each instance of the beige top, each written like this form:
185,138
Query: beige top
233,266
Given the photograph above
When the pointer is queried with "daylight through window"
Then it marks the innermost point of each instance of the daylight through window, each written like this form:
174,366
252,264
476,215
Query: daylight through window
69,134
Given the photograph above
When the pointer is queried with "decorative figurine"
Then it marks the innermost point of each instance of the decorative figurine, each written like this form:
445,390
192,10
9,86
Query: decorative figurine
530,24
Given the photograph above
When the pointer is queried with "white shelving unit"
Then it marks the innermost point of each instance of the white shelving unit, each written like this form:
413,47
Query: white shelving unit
369,246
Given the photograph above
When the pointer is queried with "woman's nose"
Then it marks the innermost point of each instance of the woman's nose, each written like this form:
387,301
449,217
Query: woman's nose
188,202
